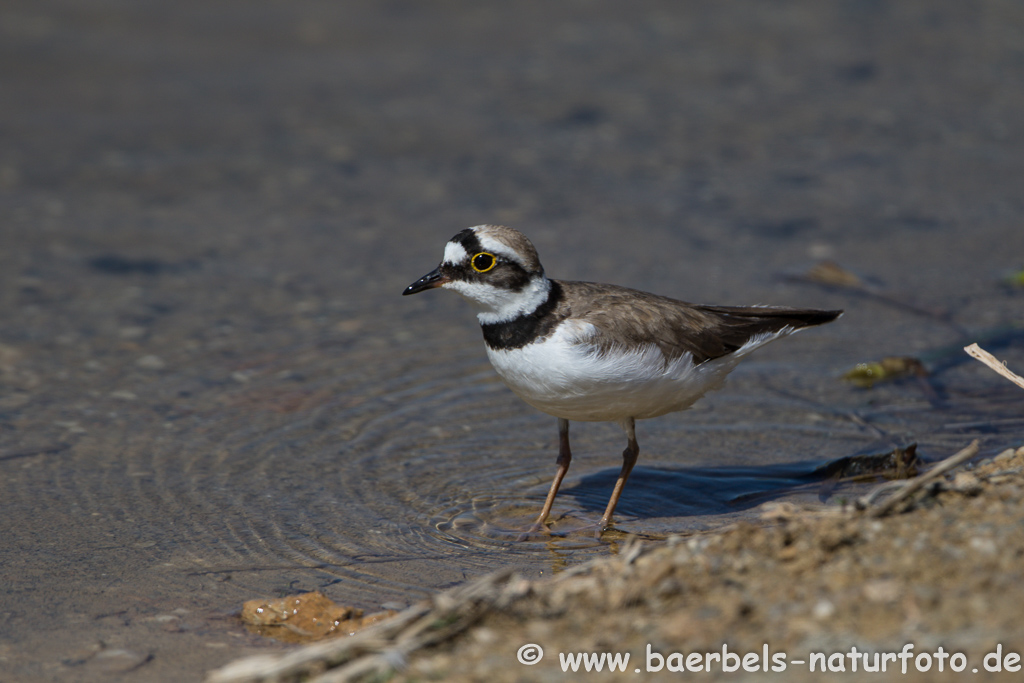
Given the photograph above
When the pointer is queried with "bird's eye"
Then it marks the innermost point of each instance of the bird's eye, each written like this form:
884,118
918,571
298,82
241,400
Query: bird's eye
483,262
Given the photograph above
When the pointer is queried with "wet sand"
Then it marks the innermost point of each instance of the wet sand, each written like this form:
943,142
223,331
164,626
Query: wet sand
211,390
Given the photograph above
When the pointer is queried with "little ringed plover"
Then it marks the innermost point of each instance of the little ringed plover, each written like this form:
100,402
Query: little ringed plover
598,352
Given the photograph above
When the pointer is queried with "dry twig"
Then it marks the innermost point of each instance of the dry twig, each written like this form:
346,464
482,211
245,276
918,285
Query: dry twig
988,359
907,487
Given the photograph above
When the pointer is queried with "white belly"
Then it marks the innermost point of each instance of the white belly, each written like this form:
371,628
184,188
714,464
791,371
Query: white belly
565,377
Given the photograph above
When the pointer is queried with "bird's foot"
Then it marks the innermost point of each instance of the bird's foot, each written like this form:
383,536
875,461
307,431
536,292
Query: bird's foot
534,529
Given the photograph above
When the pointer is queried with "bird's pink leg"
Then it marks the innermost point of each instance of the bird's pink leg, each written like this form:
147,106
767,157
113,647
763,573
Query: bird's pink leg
629,457
564,458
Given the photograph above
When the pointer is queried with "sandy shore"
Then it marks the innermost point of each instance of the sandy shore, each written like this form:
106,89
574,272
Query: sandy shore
830,588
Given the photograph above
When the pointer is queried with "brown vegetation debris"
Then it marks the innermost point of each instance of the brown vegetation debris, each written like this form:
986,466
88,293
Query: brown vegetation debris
305,617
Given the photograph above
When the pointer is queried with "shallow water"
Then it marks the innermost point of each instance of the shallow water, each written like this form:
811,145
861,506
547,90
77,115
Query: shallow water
213,390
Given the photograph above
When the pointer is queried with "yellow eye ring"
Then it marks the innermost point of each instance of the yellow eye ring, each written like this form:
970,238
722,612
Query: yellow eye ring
483,262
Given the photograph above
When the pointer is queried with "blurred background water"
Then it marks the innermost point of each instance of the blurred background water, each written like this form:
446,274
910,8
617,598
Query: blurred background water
211,390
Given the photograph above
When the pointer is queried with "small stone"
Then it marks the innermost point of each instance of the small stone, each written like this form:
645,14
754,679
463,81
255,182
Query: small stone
823,610
305,617
151,362
983,545
1004,456
123,395
83,655
71,425
966,483
485,636
1011,492
778,511
164,618
169,623
882,590
120,661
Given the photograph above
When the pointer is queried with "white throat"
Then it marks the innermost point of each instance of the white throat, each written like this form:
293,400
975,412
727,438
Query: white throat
499,305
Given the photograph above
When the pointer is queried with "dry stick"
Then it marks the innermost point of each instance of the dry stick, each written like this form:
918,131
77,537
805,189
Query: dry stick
988,359
909,487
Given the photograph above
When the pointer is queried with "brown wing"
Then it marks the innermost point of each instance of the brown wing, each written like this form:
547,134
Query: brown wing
677,327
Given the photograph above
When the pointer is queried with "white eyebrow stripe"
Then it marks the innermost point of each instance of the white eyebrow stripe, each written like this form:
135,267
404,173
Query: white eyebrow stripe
497,248
454,253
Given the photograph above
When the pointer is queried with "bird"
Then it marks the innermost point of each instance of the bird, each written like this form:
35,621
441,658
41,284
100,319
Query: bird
594,352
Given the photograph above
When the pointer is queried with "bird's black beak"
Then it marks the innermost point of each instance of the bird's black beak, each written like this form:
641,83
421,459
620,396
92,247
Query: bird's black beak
432,279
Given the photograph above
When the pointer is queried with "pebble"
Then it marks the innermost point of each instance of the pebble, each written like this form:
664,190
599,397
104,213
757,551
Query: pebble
72,426
485,636
1011,493
823,610
966,482
116,661
984,545
1005,455
882,590
164,618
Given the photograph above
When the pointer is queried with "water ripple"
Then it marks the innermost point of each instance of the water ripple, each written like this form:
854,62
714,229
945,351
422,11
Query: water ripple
393,478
